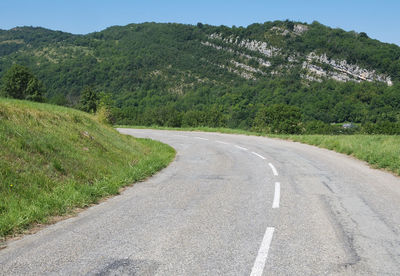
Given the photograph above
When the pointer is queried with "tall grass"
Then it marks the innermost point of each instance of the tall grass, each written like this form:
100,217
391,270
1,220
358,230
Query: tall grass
381,151
54,159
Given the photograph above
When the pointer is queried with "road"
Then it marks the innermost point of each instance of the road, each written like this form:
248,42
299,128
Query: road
229,205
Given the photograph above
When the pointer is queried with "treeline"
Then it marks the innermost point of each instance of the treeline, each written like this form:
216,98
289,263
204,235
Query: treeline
267,120
246,107
319,107
275,106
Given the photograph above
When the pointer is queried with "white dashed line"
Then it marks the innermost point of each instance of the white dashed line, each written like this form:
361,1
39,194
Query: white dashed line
277,195
259,264
255,153
225,143
239,147
274,171
201,138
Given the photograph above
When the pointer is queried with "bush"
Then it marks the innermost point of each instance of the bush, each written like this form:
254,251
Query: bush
384,127
278,119
20,83
318,127
104,115
89,100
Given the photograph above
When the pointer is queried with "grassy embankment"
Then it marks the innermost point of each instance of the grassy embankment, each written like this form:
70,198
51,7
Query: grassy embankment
381,151
55,159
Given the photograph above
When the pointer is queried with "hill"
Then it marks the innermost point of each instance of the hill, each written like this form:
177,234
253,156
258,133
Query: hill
54,159
185,75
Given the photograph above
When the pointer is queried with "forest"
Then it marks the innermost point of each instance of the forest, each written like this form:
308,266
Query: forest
199,75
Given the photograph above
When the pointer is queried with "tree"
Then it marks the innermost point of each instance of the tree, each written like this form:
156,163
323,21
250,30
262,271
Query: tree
104,111
89,100
278,118
35,90
289,24
20,83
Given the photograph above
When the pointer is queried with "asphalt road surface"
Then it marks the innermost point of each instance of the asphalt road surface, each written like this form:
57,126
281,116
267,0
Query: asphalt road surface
229,205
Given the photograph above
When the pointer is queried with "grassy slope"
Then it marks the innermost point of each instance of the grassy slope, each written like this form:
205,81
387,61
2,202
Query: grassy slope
381,151
54,159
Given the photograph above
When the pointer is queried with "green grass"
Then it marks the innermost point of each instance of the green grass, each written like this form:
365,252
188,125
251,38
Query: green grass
381,151
55,159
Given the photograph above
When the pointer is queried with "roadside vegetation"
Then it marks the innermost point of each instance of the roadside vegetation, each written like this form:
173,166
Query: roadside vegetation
54,159
380,151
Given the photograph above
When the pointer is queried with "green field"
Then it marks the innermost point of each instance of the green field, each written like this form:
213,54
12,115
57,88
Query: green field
381,151
55,159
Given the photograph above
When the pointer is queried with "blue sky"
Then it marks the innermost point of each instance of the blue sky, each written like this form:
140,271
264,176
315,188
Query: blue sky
379,19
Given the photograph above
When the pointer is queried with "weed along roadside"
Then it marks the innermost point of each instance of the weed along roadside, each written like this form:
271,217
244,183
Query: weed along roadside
380,151
55,159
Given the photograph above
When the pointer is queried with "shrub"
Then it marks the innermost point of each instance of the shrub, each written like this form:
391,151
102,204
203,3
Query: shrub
278,119
20,83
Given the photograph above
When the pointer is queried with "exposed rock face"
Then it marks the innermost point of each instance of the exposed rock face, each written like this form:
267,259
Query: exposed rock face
349,71
317,73
338,70
247,67
206,43
243,74
252,45
281,31
247,70
316,70
261,61
300,29
311,78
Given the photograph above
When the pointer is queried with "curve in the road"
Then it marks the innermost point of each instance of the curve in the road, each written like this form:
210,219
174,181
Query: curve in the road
217,210
262,255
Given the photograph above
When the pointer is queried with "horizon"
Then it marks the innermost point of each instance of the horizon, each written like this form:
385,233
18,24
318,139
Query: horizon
376,18
194,24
